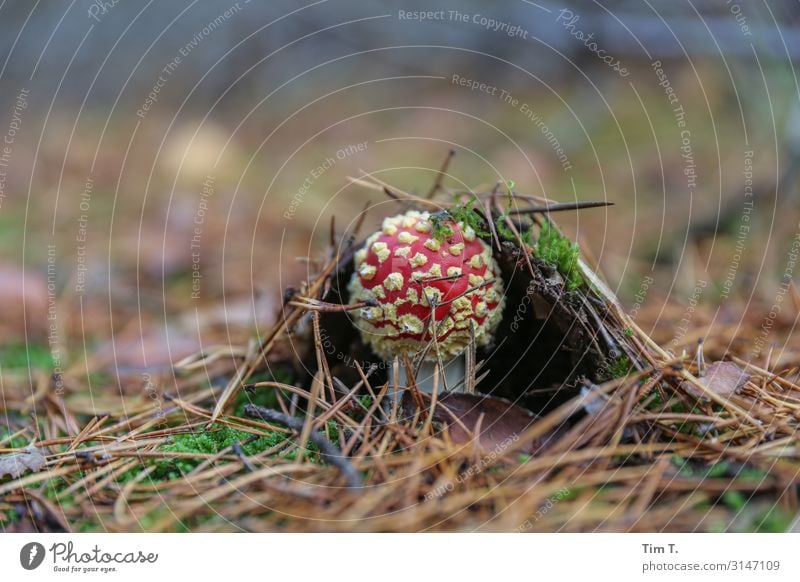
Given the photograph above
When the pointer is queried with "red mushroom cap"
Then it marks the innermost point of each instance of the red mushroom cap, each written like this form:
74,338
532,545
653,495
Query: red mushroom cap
421,283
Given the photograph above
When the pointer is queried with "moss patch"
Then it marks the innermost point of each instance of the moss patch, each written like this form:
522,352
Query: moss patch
20,357
211,442
560,253
620,367
17,442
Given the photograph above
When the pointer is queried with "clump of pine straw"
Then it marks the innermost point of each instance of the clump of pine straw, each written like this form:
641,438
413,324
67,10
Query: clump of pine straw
415,479
653,456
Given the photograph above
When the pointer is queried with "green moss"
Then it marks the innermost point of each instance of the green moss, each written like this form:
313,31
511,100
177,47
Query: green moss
655,404
440,227
767,518
567,493
87,527
684,468
503,231
718,527
219,438
56,487
14,443
679,407
101,378
772,520
33,356
560,253
187,524
211,442
551,246
10,516
719,470
465,214
749,473
735,500
333,430
696,470
620,367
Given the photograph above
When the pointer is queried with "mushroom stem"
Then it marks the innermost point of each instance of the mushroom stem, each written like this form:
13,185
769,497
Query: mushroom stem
453,381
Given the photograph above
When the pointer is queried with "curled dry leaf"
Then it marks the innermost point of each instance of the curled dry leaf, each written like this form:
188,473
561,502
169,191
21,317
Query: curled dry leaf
15,464
501,422
722,378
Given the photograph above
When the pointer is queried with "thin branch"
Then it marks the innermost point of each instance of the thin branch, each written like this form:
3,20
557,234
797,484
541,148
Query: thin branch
327,449
437,185
312,304
561,206
237,450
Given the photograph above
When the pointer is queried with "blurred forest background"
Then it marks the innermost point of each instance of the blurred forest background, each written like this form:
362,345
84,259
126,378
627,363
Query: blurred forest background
120,113
116,131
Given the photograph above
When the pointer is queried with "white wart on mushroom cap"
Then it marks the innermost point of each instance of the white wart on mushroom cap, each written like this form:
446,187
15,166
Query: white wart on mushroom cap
420,283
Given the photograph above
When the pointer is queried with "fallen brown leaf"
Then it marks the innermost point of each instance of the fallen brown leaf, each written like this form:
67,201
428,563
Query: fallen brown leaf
15,464
722,378
501,421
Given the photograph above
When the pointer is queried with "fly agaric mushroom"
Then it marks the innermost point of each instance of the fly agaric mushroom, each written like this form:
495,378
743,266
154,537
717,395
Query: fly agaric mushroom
426,281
